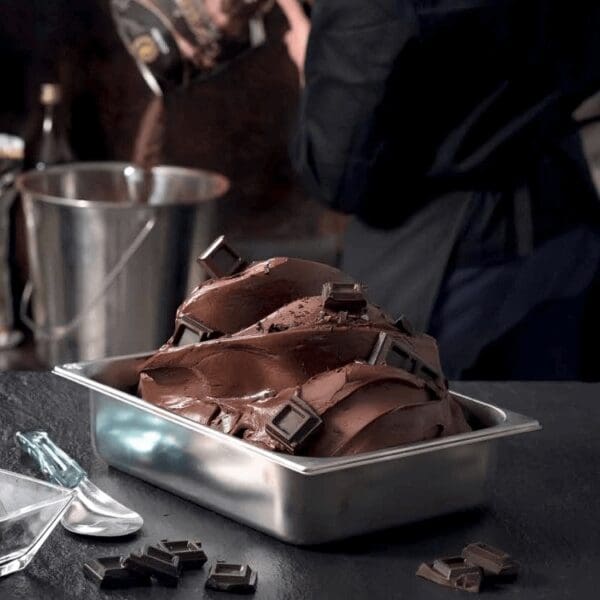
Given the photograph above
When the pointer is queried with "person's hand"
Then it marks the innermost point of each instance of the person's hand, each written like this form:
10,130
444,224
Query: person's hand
232,16
296,39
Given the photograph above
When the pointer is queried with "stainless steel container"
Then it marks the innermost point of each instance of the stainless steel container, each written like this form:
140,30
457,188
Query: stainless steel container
296,499
11,159
110,250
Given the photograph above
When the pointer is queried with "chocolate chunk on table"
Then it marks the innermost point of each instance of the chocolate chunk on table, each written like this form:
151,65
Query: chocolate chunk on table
155,562
190,553
492,560
460,577
233,578
109,573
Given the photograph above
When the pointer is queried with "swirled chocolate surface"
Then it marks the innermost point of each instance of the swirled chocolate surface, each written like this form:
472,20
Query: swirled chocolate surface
284,370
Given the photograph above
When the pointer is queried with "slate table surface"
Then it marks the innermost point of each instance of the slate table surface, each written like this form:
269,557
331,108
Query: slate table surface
544,506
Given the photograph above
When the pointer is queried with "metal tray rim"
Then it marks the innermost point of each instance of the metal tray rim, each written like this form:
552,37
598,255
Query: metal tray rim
513,424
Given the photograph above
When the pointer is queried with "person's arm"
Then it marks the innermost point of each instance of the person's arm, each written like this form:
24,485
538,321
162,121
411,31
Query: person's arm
232,16
353,47
296,39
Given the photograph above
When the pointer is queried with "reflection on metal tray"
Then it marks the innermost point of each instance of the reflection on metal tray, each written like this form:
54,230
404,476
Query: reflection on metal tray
300,500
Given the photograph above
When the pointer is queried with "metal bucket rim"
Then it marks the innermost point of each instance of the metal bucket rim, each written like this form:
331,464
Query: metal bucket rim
23,185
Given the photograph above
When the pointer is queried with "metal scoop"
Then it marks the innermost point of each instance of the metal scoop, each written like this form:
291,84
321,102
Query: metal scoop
92,512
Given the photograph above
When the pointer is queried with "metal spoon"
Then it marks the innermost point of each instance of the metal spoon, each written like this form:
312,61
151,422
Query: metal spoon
92,512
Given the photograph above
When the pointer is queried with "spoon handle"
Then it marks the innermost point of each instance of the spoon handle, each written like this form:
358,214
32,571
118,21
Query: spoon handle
55,464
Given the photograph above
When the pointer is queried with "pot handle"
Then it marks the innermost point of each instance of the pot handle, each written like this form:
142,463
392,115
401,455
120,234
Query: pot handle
58,332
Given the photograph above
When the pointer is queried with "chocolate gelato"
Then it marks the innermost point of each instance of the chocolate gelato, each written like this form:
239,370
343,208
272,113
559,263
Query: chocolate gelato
288,354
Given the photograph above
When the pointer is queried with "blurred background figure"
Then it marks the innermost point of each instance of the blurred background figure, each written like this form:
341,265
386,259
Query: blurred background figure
235,119
237,122
446,130
441,134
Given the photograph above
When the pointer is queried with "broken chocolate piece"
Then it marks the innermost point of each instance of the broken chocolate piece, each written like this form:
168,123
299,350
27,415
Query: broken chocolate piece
109,573
405,326
190,554
294,424
155,562
227,577
391,352
344,296
221,260
452,566
492,560
191,331
469,581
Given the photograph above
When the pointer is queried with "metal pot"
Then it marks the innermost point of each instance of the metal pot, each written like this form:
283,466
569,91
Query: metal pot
110,252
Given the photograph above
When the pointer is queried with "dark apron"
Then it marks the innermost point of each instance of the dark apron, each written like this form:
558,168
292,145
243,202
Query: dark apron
470,266
403,268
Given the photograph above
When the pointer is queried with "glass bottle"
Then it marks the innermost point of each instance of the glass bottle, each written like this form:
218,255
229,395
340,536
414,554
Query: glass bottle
49,144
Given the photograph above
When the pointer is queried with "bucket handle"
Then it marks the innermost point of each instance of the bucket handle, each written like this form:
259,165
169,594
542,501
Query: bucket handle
58,332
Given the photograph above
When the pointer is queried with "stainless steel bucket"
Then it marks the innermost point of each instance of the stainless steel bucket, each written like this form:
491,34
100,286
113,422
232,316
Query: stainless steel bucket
110,251
11,159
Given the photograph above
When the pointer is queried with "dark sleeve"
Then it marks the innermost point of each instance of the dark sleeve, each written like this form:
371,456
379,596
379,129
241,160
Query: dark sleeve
353,47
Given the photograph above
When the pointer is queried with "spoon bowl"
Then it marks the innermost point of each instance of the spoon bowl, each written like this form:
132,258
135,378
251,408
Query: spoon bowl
95,513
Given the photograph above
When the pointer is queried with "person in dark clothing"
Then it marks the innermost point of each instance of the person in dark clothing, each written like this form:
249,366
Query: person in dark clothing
445,128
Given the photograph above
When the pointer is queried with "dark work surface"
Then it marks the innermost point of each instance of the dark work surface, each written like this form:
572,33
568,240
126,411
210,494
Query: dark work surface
543,509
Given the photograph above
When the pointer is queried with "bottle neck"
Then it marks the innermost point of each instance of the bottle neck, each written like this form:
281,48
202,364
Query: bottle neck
49,119
54,147
48,142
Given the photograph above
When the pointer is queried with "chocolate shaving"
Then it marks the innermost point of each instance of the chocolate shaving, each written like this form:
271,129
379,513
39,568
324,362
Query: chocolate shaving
342,317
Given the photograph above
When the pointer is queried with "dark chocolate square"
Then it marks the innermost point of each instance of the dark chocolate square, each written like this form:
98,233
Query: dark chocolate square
109,573
392,352
347,297
191,331
453,566
190,554
229,577
401,358
468,581
155,562
492,560
221,260
405,326
294,424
